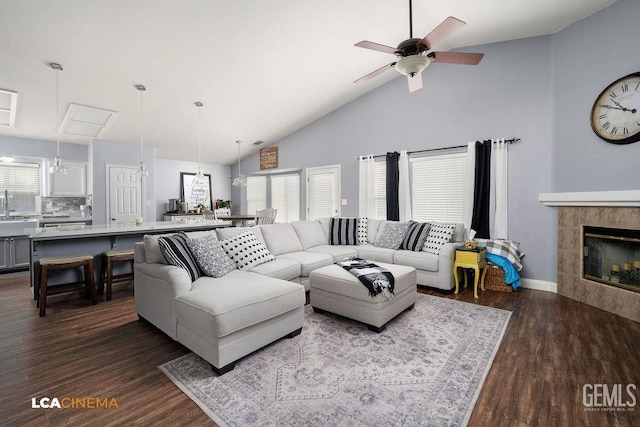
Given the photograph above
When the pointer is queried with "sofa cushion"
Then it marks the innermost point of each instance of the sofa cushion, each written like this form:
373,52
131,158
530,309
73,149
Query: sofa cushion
439,234
152,250
211,258
343,231
373,226
325,223
373,253
227,232
246,251
416,236
309,261
338,252
310,233
381,225
176,251
392,235
279,268
218,307
198,234
281,238
417,260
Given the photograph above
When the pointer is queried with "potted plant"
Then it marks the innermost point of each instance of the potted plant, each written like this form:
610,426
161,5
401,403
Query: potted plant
223,203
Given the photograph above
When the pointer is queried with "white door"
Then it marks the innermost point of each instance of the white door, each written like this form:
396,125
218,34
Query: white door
125,199
323,192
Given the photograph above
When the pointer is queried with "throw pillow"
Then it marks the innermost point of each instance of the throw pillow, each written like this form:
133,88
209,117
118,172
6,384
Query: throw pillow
362,230
152,250
211,258
416,236
343,231
176,251
246,251
439,234
392,235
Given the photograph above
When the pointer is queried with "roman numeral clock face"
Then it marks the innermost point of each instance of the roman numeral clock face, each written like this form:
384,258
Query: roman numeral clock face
615,116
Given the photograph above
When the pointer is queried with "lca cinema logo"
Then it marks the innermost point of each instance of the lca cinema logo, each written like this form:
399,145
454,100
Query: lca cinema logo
74,403
609,397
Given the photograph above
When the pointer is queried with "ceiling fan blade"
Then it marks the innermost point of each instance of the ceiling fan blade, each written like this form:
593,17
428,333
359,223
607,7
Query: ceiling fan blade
441,32
457,57
415,82
376,46
375,73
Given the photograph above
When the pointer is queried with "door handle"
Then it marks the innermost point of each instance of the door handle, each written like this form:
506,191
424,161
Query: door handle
113,219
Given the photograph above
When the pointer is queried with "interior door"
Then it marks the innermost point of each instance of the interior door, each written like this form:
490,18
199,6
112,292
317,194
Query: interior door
323,192
125,198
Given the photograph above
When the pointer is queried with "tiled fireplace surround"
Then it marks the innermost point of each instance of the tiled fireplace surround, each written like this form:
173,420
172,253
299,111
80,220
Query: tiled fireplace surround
571,219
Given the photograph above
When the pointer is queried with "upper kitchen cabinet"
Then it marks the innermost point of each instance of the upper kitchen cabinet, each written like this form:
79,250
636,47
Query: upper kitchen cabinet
74,183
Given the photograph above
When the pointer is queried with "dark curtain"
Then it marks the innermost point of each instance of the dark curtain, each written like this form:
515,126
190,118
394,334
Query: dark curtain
480,219
393,179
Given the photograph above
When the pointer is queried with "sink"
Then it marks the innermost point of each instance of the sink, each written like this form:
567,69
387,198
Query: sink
13,227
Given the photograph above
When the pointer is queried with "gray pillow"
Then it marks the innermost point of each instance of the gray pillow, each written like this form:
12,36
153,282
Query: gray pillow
210,256
392,235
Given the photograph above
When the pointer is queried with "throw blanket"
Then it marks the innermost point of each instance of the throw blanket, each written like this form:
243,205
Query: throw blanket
511,275
377,279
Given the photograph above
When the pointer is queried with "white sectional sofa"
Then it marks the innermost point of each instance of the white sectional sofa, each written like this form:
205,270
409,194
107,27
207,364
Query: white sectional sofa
224,319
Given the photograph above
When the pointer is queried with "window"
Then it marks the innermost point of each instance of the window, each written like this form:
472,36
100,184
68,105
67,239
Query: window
256,193
323,192
20,177
285,197
380,190
437,187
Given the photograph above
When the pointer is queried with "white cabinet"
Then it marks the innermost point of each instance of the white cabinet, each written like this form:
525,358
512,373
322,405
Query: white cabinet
74,183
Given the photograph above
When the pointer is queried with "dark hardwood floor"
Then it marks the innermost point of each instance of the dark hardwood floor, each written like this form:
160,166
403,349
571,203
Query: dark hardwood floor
552,347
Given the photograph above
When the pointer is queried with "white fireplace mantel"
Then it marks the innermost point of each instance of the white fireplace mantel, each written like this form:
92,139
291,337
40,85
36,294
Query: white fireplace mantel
624,198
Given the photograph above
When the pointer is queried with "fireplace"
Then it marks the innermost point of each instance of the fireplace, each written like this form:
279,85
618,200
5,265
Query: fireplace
612,256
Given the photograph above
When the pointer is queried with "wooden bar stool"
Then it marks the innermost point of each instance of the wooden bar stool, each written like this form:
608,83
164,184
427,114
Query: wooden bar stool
106,271
63,263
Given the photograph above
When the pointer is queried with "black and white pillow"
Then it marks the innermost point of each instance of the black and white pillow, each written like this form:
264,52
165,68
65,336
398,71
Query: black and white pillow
343,231
439,234
211,258
246,251
176,251
392,235
416,236
504,248
362,230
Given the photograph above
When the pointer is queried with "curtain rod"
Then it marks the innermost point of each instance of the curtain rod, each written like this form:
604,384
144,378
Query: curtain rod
508,141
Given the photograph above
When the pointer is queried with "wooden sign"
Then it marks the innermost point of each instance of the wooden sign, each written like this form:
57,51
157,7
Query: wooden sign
269,158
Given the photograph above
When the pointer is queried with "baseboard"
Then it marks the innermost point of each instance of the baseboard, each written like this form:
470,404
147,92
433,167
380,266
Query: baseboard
540,285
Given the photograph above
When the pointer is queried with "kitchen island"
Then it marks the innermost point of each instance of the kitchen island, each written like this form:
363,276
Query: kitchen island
93,240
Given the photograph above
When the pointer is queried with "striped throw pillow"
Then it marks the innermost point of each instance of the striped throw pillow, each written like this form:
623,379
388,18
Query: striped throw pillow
416,236
176,251
343,231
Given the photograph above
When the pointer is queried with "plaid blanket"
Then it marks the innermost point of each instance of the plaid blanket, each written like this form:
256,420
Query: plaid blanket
504,248
375,278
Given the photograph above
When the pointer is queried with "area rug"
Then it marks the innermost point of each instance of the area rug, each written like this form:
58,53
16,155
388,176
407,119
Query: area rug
426,368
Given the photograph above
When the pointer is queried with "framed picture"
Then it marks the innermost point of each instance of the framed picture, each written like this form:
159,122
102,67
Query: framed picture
195,194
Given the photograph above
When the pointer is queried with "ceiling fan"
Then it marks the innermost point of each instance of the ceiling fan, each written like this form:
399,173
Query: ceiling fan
414,55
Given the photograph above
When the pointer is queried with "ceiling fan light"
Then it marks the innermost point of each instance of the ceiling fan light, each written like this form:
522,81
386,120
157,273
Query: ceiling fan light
412,65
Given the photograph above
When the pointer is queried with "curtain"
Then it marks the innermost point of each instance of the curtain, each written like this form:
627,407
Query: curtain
499,160
481,191
366,193
404,188
393,177
469,181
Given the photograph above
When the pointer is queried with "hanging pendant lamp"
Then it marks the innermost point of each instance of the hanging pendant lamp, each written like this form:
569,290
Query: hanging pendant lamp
141,172
57,166
199,178
240,180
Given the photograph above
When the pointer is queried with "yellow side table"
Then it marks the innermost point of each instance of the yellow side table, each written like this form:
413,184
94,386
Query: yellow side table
471,258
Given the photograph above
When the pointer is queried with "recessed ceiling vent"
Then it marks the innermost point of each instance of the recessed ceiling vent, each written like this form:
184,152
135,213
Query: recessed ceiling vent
8,103
82,120
258,142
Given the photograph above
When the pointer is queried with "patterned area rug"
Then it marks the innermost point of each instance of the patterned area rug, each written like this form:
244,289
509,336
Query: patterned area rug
426,368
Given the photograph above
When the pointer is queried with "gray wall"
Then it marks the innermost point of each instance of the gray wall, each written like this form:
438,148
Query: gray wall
15,146
587,57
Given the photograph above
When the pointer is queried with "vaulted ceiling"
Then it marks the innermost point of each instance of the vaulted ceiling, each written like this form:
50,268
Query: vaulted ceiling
263,69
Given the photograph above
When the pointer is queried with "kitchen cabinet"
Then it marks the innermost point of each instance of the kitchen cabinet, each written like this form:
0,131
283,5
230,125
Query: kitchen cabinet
14,252
74,183
5,258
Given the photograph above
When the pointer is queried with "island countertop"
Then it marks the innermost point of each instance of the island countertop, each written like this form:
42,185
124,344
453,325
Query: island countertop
79,231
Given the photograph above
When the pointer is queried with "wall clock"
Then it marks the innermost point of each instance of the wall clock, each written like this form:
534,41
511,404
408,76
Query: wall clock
615,116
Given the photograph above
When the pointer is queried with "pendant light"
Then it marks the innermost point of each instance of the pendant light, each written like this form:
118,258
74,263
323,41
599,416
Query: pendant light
57,166
199,179
240,180
141,172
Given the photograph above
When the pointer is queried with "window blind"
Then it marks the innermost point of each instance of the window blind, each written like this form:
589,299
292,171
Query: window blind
285,197
20,178
380,190
437,187
256,193
320,196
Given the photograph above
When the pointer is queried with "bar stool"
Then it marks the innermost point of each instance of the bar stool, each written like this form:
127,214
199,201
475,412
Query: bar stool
106,271
63,263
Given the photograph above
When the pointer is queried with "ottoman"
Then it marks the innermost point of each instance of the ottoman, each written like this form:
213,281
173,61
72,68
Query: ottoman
335,290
